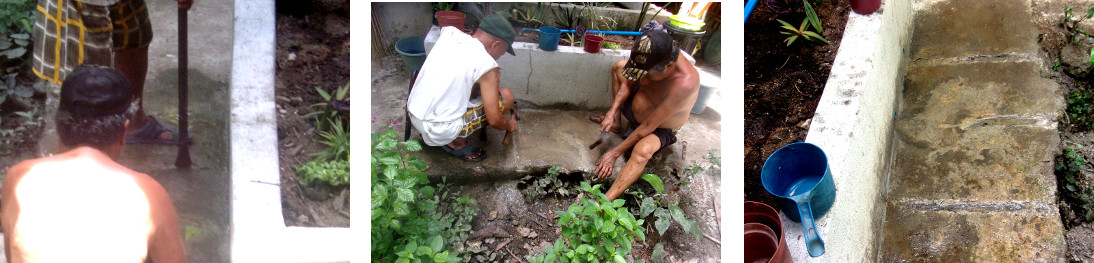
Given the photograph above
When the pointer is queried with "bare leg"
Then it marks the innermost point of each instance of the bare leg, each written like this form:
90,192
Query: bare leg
133,63
617,81
640,155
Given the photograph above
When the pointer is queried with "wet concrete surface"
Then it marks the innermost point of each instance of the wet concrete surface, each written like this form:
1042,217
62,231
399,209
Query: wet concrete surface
975,136
964,28
200,194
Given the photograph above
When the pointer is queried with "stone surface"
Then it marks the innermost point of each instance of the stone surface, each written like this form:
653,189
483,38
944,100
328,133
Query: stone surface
992,162
965,28
917,235
965,93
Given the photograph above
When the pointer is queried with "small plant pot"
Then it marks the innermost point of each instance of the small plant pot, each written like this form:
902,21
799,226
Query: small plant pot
865,7
451,18
592,43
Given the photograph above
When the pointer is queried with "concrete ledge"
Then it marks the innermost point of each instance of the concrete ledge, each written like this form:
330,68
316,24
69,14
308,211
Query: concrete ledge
853,123
568,78
258,232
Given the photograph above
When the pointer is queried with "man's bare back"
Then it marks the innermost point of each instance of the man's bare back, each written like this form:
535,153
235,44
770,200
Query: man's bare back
82,205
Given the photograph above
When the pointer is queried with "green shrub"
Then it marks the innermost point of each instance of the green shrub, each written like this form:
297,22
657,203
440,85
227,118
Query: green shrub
593,230
1080,110
334,173
336,140
1069,174
664,213
407,222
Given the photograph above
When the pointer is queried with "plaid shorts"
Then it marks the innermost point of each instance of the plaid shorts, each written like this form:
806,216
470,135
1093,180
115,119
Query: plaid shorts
68,33
475,118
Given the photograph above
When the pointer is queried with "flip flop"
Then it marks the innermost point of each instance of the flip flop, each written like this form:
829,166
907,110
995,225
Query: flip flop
150,132
466,151
598,118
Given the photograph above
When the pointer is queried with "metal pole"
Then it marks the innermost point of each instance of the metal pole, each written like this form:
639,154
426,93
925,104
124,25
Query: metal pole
183,158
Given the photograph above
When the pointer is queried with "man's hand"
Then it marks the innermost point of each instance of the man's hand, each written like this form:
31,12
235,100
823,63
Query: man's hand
607,163
608,122
185,4
511,125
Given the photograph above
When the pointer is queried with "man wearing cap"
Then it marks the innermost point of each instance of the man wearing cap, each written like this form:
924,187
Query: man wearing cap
81,205
654,90
457,87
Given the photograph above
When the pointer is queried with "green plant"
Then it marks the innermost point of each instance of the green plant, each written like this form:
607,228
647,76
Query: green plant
407,223
443,6
593,230
610,45
714,166
662,211
569,19
1080,110
11,91
802,31
336,140
1069,174
333,173
331,107
529,17
16,23
1071,24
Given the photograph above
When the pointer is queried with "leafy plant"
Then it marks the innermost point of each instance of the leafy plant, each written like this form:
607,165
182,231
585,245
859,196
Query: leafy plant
1071,24
407,224
802,31
593,230
16,23
337,141
549,184
1080,110
610,45
333,173
331,107
11,91
443,6
529,17
1069,167
569,19
663,212
713,167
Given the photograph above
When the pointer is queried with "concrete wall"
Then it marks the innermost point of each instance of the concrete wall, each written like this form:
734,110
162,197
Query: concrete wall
853,123
401,20
568,78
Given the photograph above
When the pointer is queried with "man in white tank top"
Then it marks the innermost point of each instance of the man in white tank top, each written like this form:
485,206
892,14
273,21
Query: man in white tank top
81,205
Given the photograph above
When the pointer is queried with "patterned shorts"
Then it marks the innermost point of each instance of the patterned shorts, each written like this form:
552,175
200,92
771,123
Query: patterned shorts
475,118
68,33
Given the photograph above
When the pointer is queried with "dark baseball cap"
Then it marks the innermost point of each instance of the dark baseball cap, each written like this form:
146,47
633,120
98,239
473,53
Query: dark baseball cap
92,91
653,48
498,26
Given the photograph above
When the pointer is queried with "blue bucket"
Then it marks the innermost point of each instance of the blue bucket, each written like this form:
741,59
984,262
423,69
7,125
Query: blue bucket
412,49
799,175
548,37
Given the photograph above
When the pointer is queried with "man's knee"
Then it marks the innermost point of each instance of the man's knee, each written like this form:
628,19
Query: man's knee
645,148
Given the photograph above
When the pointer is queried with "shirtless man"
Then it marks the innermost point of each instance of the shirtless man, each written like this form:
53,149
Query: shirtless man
654,90
81,205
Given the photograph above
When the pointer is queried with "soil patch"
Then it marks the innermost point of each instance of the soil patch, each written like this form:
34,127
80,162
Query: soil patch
783,84
312,51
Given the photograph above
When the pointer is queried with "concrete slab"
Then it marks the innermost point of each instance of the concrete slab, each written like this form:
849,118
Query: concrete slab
968,93
941,235
964,28
985,163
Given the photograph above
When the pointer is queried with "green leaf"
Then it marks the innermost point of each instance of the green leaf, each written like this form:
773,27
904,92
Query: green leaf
662,222
23,36
811,16
646,207
404,195
400,208
815,36
441,257
658,254
790,40
619,259
787,25
654,181
436,242
412,145
1092,56
424,251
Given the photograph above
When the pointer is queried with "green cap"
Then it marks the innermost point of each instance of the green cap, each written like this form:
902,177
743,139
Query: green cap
498,26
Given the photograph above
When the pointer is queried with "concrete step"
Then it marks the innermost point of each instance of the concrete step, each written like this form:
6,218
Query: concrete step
965,28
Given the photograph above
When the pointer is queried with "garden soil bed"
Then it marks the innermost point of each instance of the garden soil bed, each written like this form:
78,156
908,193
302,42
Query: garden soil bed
783,84
625,42
511,225
312,51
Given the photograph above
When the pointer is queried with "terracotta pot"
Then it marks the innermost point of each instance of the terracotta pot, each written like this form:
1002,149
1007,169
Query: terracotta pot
865,7
756,212
592,43
451,18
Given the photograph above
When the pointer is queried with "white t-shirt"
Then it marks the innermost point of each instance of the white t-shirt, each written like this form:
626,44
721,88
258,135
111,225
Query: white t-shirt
442,91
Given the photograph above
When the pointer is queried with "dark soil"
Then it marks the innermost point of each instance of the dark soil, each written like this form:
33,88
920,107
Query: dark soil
312,51
783,84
